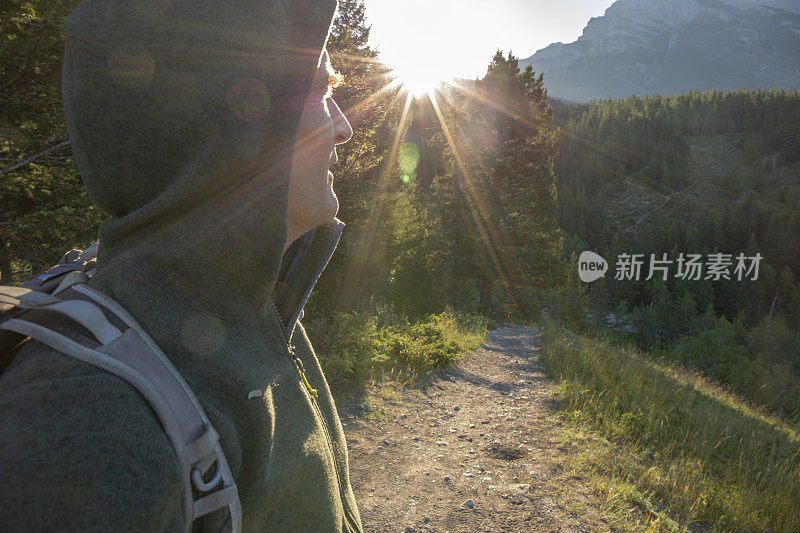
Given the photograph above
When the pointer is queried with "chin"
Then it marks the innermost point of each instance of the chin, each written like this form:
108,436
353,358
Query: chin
332,206
323,210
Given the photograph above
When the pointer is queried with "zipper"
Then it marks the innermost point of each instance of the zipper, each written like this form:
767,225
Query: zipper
313,393
298,364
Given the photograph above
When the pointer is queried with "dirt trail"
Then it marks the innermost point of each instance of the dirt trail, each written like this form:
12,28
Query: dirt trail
475,449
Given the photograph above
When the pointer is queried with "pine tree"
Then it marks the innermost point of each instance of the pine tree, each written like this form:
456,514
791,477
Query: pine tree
350,33
44,208
520,167
363,77
32,44
506,185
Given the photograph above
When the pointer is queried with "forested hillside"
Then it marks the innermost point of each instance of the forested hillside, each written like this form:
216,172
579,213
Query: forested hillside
697,173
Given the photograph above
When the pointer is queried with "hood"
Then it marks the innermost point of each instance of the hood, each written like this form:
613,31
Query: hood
183,117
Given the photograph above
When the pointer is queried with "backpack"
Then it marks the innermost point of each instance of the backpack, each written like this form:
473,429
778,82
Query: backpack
128,352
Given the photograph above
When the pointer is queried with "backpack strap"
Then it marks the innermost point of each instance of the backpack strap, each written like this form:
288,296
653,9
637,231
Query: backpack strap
75,266
132,355
72,261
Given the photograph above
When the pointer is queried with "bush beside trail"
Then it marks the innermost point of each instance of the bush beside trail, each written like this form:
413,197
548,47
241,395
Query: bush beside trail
360,343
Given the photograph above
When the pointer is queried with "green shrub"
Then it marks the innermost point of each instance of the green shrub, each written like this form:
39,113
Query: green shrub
761,365
567,304
359,343
717,352
774,380
774,341
776,385
350,342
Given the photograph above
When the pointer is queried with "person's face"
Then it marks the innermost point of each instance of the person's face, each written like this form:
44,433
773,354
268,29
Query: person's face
312,201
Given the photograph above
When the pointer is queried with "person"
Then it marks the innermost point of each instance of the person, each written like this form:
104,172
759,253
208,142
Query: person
205,130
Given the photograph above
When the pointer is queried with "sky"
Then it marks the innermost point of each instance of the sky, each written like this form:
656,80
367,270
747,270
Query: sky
442,39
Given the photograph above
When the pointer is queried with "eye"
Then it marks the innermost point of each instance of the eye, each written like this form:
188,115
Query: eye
319,95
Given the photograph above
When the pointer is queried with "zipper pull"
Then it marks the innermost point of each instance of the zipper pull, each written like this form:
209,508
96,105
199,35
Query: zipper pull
299,364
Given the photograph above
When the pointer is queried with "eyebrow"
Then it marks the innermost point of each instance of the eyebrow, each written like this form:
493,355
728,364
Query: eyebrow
323,89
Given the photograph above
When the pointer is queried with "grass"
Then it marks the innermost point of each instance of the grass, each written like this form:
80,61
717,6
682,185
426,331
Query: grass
669,449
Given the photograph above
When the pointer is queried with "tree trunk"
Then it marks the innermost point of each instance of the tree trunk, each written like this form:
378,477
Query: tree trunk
458,239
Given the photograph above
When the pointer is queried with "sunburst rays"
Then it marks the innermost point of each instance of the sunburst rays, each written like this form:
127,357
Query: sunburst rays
483,208
477,206
367,239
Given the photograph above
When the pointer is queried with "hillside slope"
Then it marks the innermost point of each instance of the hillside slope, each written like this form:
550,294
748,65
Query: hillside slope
724,170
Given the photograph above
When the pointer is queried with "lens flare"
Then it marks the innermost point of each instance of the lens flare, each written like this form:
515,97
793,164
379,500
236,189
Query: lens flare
408,159
249,100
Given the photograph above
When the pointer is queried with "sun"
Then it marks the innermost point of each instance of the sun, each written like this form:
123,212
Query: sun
417,80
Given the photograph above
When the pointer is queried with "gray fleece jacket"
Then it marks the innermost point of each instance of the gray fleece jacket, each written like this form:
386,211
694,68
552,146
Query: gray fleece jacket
182,116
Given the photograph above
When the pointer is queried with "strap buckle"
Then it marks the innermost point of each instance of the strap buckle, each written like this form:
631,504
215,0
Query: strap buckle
203,467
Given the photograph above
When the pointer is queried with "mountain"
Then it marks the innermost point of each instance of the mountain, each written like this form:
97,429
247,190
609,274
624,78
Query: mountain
655,47
787,5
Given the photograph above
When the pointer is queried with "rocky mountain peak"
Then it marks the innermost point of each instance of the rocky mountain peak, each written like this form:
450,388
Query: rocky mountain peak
650,46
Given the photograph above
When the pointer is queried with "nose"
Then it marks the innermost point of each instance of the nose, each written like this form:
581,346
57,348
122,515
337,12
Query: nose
342,130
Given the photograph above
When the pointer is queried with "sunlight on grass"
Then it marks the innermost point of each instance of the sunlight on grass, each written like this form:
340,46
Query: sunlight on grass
674,446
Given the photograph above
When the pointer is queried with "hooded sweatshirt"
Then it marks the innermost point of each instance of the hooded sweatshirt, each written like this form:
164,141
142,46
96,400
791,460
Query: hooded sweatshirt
183,116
